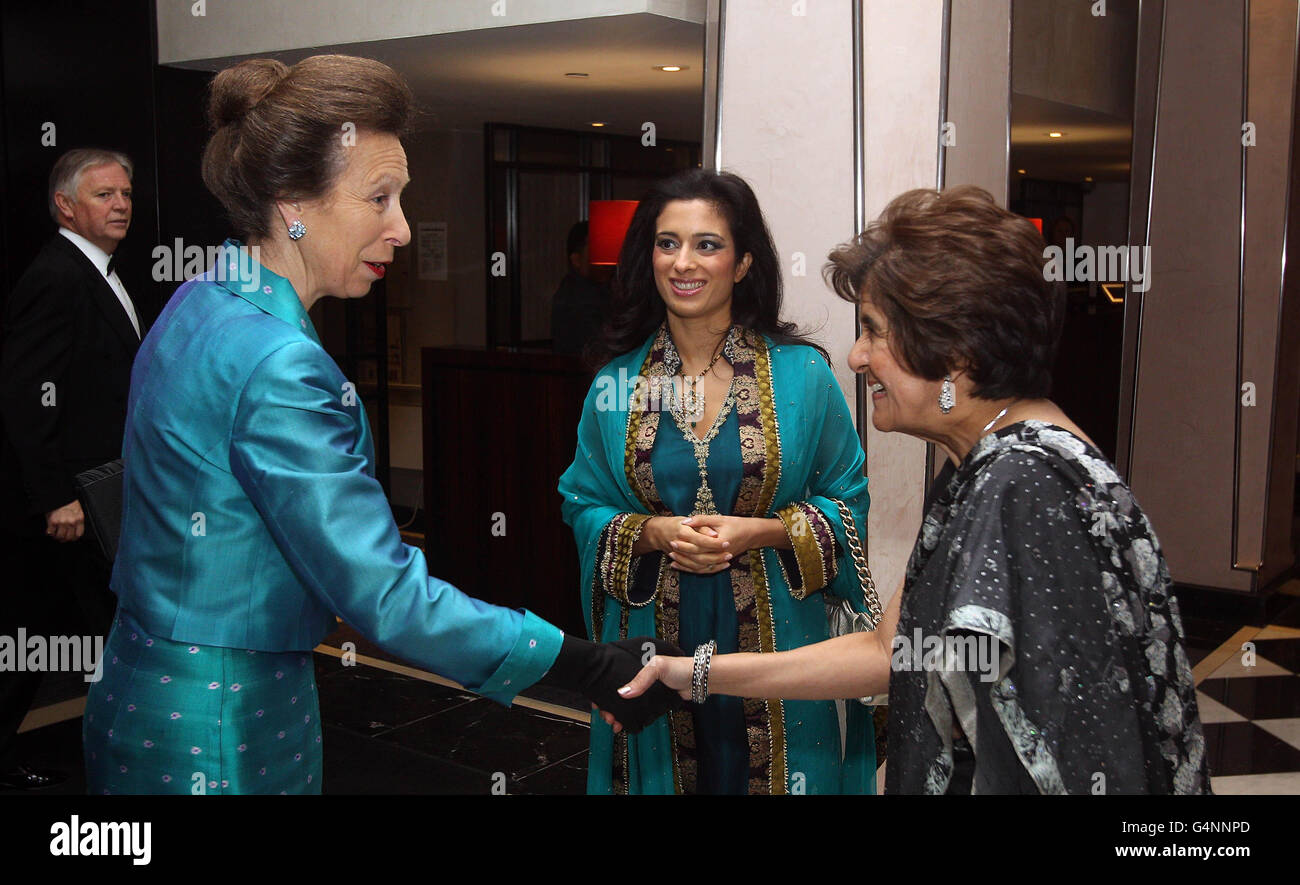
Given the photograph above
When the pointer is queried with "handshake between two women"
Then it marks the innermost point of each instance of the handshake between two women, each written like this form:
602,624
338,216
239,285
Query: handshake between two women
599,670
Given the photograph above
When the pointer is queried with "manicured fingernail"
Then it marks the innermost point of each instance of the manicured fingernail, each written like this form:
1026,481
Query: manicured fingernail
624,690
672,544
726,543
728,556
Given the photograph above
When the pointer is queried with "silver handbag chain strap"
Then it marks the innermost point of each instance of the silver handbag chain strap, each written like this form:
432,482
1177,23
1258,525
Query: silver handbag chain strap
868,584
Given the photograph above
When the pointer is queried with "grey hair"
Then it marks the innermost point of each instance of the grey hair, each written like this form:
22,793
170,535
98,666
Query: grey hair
65,177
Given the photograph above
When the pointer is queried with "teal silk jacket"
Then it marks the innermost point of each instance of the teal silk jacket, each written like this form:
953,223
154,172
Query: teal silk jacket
251,515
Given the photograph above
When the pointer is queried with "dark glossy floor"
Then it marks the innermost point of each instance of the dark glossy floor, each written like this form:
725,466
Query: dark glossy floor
391,733
386,733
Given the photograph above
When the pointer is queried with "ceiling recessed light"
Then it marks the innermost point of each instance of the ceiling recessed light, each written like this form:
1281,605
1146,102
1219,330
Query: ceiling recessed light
577,75
1021,171
670,69
1056,135
1087,178
597,124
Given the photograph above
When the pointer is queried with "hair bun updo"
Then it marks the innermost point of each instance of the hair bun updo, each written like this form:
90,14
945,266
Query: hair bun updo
237,90
276,130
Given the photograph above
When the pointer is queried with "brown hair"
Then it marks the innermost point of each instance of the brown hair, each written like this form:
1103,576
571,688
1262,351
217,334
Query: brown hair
960,281
278,132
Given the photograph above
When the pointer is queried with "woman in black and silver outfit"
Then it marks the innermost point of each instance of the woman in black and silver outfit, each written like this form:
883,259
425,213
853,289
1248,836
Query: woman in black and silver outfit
1034,646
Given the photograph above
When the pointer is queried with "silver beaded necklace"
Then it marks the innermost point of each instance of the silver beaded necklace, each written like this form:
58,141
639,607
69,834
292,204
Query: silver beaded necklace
692,403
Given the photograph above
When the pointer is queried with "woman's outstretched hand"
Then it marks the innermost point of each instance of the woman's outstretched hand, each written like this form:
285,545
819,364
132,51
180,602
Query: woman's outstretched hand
673,672
597,670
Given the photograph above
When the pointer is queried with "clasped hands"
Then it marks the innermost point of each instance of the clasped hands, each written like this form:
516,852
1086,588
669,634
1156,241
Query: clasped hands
638,680
702,544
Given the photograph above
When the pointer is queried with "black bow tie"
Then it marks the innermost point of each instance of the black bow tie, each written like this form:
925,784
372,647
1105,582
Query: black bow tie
112,263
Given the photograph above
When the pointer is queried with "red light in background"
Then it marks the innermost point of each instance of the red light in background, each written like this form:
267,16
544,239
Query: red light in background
608,221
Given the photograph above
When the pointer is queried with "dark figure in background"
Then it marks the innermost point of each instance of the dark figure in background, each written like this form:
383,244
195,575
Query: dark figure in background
578,307
70,334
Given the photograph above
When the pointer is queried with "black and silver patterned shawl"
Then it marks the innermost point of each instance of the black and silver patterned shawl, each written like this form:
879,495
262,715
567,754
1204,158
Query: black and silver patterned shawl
1037,555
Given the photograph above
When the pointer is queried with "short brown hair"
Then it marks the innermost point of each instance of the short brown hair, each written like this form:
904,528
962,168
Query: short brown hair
960,281
278,131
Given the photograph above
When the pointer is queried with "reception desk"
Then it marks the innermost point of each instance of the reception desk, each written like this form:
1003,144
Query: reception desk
499,428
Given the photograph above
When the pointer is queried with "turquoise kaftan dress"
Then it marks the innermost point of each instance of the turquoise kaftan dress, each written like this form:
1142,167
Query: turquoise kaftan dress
707,610
787,450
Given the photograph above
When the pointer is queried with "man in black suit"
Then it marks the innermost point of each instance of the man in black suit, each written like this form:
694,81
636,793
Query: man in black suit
578,306
70,334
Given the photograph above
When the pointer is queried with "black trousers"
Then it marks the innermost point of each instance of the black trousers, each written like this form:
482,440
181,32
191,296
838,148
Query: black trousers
48,589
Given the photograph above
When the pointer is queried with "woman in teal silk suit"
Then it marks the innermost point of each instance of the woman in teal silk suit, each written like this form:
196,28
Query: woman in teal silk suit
251,514
707,511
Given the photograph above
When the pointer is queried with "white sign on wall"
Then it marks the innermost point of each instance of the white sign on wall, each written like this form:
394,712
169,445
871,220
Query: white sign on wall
431,250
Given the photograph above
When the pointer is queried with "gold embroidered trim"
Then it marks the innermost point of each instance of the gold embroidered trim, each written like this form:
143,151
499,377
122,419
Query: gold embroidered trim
629,453
597,607
622,752
762,595
807,552
771,430
776,776
629,531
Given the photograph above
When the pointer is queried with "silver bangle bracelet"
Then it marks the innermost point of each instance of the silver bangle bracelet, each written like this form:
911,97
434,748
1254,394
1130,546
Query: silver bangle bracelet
700,672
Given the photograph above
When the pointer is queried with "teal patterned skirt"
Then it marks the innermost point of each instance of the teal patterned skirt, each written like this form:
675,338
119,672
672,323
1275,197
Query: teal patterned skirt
171,717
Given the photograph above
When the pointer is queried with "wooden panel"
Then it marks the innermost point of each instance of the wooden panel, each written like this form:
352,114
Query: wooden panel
499,429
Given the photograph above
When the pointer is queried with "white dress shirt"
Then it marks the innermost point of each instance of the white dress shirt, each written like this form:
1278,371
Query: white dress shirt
99,258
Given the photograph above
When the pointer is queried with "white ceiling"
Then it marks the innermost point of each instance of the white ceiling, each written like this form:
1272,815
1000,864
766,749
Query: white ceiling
516,74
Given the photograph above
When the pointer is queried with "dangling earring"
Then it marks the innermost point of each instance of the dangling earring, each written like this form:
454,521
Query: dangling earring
297,230
947,395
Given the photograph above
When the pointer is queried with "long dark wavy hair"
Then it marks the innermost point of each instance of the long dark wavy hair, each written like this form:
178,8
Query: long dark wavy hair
636,309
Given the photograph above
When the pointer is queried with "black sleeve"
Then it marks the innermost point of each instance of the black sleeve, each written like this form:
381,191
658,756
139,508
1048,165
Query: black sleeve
38,340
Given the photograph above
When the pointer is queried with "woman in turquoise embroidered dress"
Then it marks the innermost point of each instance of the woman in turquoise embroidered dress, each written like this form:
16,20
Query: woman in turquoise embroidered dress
712,447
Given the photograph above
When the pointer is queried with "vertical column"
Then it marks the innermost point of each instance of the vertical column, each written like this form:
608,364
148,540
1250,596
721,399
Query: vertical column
1211,374
903,61
978,134
786,124
1269,361
786,117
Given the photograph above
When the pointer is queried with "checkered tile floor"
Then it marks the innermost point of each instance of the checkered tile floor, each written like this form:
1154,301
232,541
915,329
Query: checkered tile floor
1248,691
